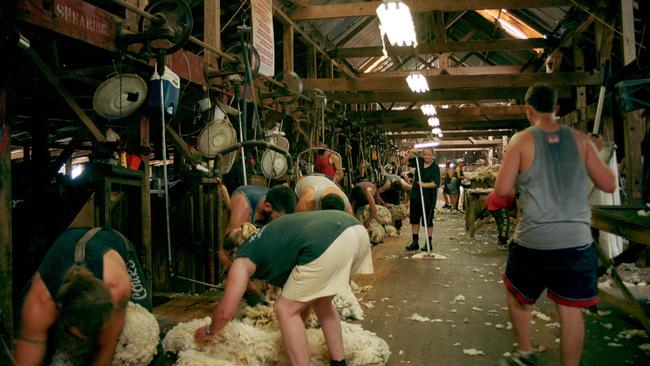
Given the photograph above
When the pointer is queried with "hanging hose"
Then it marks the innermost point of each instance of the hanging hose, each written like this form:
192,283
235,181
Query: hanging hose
164,156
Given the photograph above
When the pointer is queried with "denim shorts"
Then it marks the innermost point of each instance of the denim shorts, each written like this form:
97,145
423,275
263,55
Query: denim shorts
569,275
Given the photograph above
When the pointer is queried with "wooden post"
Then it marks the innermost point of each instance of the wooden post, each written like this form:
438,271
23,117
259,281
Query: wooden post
311,63
627,25
287,48
581,91
634,127
145,191
132,19
6,256
212,29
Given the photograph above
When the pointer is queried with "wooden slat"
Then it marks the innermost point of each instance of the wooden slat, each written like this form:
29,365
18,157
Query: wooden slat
478,70
446,82
433,96
359,9
212,29
454,134
448,115
287,49
284,19
627,23
443,47
415,125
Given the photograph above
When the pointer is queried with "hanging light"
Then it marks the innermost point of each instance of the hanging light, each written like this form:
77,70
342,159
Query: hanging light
428,109
436,131
396,22
417,82
433,122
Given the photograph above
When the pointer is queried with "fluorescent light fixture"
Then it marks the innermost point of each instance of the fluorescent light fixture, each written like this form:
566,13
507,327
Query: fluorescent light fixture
428,109
436,131
433,122
423,145
396,22
417,82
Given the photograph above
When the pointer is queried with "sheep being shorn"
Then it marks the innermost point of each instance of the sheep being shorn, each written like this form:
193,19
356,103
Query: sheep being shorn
242,344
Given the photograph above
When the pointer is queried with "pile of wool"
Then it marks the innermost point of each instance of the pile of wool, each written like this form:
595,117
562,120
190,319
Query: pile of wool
390,230
484,176
347,305
376,232
398,212
362,347
234,343
241,344
383,215
139,338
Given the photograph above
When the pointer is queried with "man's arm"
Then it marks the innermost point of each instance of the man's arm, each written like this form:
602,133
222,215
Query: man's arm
373,207
598,171
241,271
306,201
38,314
107,339
336,163
507,177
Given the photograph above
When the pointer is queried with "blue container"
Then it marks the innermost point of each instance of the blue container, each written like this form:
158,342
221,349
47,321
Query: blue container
171,91
633,94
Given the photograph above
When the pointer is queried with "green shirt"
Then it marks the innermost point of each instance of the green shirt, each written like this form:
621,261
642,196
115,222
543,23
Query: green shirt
292,240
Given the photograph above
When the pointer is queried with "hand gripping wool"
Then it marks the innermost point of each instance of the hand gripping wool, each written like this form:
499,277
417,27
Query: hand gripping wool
383,215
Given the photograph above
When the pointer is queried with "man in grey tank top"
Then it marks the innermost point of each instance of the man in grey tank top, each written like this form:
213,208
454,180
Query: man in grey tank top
549,166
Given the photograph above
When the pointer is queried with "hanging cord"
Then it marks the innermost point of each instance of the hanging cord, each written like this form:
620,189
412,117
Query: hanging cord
6,349
165,177
583,8
241,139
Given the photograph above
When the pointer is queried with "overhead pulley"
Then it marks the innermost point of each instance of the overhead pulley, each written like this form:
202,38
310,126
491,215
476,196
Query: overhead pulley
287,88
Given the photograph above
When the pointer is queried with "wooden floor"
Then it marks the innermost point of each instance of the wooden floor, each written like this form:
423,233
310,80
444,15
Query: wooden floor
402,286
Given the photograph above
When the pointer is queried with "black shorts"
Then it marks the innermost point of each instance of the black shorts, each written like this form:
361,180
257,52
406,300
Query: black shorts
569,275
415,211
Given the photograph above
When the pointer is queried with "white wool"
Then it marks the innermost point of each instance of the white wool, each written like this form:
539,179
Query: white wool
139,338
383,215
398,212
347,305
376,232
233,343
244,345
390,230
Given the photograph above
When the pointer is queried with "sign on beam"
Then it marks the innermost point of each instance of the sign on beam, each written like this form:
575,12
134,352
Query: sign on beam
262,19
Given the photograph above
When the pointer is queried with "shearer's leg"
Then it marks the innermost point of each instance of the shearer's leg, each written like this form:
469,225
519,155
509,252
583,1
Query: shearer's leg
293,330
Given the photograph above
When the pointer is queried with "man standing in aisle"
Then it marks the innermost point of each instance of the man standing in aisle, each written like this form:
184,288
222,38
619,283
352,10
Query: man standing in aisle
549,165
429,181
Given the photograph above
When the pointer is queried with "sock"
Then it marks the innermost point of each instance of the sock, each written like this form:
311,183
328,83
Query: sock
338,363
416,238
430,243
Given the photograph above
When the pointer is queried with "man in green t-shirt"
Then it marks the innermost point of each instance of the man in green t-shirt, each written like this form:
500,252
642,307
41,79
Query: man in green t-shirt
311,255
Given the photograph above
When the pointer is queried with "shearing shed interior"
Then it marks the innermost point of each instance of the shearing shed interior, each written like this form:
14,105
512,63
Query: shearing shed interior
324,182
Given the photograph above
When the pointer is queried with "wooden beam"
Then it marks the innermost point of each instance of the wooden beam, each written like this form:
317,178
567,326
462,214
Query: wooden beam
627,24
6,243
360,9
437,96
284,19
287,49
414,125
478,70
448,114
312,67
454,133
211,29
442,47
634,130
446,82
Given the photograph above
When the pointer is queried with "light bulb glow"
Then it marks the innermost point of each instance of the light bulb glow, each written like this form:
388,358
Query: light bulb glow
417,83
433,122
428,109
397,23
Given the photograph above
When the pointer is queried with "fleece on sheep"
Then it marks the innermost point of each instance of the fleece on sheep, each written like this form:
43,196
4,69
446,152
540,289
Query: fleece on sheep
383,215
236,341
376,232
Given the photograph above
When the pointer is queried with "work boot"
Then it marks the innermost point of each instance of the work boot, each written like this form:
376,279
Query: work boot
413,246
503,243
516,358
424,248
